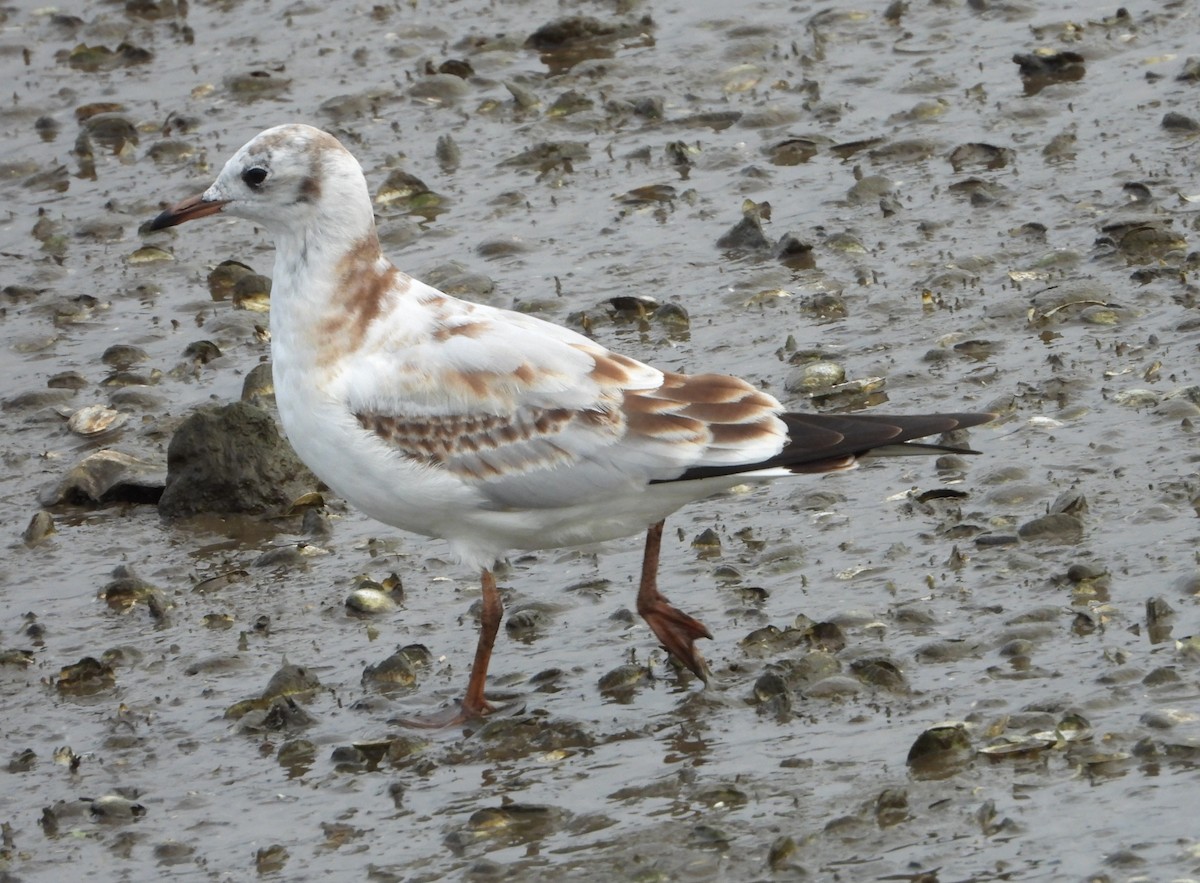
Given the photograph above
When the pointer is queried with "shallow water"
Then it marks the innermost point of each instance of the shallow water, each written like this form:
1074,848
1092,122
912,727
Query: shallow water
667,781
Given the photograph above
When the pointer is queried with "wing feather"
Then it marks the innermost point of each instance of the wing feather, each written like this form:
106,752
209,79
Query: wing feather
505,401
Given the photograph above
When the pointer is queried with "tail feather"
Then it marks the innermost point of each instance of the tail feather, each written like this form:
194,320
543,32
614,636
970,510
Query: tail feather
829,442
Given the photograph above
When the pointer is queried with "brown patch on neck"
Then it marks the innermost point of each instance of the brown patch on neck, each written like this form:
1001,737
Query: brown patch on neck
362,280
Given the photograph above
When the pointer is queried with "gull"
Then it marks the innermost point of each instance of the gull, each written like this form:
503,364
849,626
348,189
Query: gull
491,429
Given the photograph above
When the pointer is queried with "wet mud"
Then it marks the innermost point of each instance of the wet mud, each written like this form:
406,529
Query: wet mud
977,668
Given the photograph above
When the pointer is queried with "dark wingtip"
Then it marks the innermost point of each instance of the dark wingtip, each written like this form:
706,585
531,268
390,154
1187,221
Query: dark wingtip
975,419
830,442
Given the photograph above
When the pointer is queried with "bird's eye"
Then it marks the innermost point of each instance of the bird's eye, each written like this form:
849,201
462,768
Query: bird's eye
254,177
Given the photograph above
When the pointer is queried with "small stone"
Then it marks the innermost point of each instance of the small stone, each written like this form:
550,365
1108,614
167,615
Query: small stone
1177,122
40,527
1056,527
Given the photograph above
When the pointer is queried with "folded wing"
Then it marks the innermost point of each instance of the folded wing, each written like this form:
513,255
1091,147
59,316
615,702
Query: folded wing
530,401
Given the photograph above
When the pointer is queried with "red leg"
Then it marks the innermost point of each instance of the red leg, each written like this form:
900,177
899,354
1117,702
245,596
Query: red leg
676,631
474,704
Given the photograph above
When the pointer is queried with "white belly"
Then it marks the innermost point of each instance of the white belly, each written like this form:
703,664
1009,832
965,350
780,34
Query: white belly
407,494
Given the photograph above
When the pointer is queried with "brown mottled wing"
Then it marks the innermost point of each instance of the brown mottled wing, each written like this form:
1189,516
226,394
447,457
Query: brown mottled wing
478,447
533,415
536,456
725,419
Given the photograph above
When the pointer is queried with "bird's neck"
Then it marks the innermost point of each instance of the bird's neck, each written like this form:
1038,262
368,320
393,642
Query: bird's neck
318,234
329,286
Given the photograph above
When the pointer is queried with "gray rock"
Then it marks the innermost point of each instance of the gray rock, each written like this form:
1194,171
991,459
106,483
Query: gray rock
1060,527
746,234
231,459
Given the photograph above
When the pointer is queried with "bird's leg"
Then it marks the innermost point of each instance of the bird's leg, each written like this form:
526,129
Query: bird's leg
676,631
474,704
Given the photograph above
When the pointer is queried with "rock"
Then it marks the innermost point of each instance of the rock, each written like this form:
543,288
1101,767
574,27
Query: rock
794,252
108,476
581,29
40,527
231,459
259,384
746,234
1179,122
1060,527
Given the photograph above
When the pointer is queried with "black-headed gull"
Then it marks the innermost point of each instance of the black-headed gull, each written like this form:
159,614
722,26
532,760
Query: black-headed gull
492,429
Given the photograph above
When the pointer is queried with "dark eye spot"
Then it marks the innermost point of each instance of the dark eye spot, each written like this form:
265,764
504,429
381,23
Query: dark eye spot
254,177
